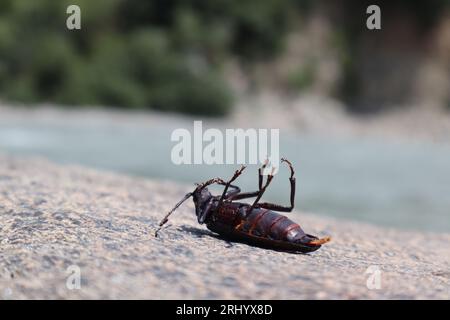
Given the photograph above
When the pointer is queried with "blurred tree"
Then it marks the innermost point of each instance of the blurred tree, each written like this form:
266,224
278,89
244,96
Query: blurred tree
381,67
167,54
161,54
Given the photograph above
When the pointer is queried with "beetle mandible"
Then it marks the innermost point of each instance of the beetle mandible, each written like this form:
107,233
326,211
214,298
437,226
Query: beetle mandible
256,224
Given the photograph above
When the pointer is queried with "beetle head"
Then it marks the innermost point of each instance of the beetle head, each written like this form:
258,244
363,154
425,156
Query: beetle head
201,196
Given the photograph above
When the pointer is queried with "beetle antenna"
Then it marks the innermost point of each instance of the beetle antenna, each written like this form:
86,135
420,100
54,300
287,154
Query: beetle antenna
166,218
203,185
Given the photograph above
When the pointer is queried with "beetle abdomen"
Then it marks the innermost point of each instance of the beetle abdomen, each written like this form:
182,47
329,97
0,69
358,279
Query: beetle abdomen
269,224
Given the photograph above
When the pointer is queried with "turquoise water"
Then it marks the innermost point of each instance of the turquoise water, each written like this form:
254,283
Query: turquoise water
404,185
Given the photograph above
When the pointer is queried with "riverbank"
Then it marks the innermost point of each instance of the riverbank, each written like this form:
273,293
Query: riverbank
54,217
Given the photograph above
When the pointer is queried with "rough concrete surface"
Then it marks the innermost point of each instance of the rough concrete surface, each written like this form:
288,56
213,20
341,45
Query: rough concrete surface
53,217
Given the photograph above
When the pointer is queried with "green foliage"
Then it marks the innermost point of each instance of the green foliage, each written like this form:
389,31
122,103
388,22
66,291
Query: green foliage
165,54
159,54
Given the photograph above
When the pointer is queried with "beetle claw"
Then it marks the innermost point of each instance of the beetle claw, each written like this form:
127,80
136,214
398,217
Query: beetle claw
239,171
290,166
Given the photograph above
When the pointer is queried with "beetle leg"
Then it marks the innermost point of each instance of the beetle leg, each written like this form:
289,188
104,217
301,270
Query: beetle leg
260,173
292,181
221,182
244,195
202,217
236,190
290,166
237,173
276,207
261,192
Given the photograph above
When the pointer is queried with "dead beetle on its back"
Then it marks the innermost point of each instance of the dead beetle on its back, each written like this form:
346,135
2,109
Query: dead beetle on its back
257,224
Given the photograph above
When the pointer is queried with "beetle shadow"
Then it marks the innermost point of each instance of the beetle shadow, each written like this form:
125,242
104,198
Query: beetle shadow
200,233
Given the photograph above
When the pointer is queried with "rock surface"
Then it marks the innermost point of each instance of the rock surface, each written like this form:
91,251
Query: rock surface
56,219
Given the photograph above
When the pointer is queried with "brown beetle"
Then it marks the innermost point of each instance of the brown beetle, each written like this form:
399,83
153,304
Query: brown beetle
257,224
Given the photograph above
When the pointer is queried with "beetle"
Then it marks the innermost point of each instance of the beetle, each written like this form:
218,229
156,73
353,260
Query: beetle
257,224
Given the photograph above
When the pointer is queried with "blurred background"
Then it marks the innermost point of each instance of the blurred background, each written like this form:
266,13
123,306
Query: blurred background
363,114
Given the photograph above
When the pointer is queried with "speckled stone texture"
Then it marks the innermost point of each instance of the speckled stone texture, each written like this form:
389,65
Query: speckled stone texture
53,217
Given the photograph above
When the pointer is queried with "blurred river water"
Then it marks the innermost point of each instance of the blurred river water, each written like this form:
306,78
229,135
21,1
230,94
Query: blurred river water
396,184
